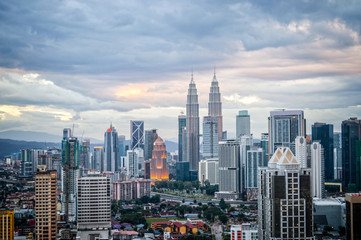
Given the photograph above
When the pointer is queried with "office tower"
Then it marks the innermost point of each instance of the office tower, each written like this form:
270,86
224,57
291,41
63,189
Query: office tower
84,160
7,224
210,137
283,128
246,231
149,138
70,167
131,190
158,165
318,170
353,218
215,105
26,163
284,198
337,155
301,151
265,147
182,119
192,127
246,143
351,169
136,134
98,161
45,203
182,171
254,160
111,151
121,144
229,170
94,206
243,123
323,133
209,171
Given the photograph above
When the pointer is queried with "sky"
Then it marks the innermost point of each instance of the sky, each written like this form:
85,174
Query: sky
92,63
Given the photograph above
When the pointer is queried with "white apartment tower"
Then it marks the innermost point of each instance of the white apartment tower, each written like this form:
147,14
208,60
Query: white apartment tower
208,170
301,151
243,123
94,206
318,170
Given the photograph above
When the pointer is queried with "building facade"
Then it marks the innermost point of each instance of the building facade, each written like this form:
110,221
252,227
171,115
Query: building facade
210,137
131,190
111,151
284,199
318,170
45,204
323,133
243,123
246,231
98,160
136,134
7,224
353,217
301,151
182,122
158,166
215,106
149,139
209,171
93,208
192,127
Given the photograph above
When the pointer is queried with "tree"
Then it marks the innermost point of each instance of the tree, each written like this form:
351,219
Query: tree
223,205
223,218
211,212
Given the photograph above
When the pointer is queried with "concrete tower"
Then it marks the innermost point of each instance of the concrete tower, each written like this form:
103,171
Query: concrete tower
215,105
192,125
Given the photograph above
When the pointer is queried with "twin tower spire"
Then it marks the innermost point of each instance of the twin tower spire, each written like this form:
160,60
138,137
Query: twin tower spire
192,154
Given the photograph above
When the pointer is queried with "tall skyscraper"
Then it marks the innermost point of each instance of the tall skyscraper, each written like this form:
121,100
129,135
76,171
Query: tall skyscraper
229,170
210,137
111,150
254,160
84,160
337,155
243,123
301,151
136,134
351,148
284,199
318,170
70,166
93,209
26,163
246,143
283,128
121,144
158,165
215,105
149,139
182,119
265,147
324,133
97,163
45,203
192,127
133,159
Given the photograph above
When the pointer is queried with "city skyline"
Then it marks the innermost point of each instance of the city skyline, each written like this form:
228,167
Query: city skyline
92,63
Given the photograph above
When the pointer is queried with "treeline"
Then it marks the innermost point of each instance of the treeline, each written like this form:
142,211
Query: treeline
207,188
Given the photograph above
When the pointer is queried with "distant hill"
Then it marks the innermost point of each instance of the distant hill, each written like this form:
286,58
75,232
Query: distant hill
37,136
8,146
171,146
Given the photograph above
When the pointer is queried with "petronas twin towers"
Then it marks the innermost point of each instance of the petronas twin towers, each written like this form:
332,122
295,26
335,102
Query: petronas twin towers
192,122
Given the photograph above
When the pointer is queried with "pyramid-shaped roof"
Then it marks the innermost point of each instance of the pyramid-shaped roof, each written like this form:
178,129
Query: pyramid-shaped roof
283,155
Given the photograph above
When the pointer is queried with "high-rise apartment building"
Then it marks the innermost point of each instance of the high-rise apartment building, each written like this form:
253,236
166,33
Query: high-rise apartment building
136,134
26,167
158,166
210,137
93,209
132,161
351,148
45,204
253,161
131,190
323,133
215,105
84,158
243,123
192,127
353,217
209,171
182,119
149,139
6,224
318,170
111,150
301,151
121,145
283,128
97,163
284,199
246,143
70,167
265,147
246,231
229,170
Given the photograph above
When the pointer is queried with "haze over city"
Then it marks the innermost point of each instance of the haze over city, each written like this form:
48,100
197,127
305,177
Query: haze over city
91,63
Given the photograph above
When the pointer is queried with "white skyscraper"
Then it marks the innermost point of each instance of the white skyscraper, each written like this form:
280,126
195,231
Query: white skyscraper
132,161
254,160
93,206
246,143
301,151
209,170
318,170
243,123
